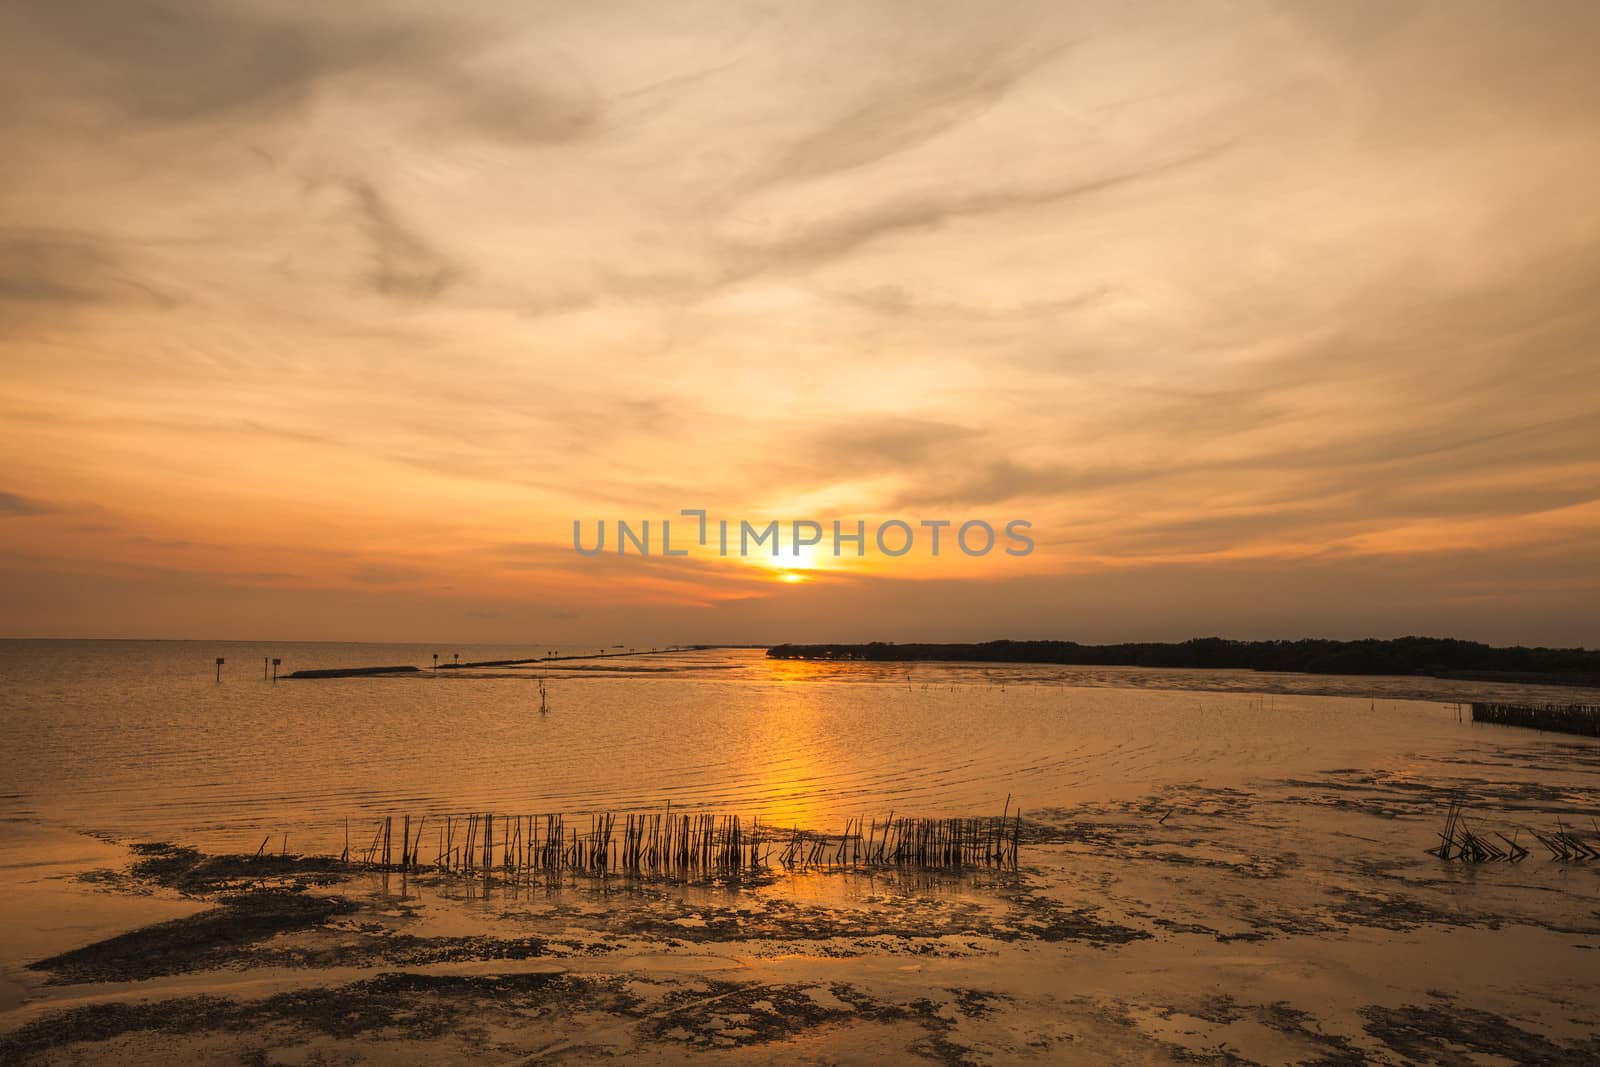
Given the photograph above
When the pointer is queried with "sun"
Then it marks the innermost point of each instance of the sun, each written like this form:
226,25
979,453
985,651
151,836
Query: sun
790,567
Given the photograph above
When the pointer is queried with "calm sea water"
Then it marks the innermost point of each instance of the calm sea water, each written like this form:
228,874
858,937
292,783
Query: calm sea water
138,740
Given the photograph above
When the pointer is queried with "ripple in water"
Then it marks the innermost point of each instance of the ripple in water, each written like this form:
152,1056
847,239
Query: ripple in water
137,740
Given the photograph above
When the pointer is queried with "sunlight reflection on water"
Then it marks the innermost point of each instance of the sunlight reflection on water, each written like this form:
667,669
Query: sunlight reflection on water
137,740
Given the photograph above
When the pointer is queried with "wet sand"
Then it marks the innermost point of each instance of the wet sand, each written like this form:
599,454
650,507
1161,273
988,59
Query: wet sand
1286,920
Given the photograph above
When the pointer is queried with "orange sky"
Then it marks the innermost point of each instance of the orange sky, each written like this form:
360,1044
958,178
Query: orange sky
326,320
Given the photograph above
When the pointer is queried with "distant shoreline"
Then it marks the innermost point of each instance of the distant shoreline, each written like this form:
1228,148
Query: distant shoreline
1429,656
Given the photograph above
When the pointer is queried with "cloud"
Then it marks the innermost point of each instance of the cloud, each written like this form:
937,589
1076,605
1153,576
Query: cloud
1173,281
52,270
14,506
405,266
156,61
49,277
826,238
383,574
506,102
949,70
170,63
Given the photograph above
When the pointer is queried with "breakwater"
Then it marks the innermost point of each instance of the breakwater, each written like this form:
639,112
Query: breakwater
357,672
353,672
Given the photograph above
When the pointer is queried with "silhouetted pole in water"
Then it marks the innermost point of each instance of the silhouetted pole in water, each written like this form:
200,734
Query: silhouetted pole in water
436,663
457,656
263,668
275,662
219,668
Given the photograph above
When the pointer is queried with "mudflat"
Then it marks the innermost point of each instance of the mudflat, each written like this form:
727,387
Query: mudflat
1292,920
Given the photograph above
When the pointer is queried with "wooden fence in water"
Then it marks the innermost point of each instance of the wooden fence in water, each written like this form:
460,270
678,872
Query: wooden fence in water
1581,719
676,846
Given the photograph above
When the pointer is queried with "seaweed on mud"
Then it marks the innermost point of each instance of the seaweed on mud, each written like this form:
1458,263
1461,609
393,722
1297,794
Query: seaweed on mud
163,861
786,920
101,1022
729,1014
431,1005
977,1003
193,873
1155,840
1048,920
938,1047
1173,926
194,942
382,948
1333,1050
396,1006
1218,1008
887,922
1454,1036
1262,867
1398,913
1109,825
1117,1014
724,1014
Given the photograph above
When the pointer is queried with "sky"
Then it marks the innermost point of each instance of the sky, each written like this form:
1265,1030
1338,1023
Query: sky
327,321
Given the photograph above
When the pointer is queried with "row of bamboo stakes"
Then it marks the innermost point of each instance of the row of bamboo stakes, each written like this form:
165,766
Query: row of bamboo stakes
1580,719
681,845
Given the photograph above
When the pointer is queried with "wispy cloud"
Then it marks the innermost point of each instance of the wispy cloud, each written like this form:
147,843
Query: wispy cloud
172,62
370,293
404,264
12,505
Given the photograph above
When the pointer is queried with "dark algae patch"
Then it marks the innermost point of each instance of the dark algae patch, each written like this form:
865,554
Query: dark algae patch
196,942
101,1022
193,873
257,897
1451,1035
388,1006
734,1014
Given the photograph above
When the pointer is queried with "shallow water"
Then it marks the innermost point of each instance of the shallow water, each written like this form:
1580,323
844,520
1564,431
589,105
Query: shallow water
138,740
1222,866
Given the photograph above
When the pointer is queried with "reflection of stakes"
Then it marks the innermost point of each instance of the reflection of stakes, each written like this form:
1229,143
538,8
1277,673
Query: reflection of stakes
1570,846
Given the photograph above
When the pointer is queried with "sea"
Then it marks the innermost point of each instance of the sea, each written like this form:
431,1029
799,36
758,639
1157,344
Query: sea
152,741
